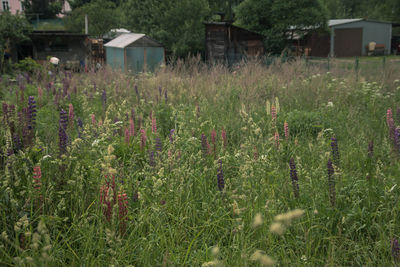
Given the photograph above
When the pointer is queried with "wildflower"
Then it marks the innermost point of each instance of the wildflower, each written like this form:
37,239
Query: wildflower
133,114
277,104
154,125
71,113
152,161
143,138
37,184
223,135
160,90
158,144
220,177
131,128
286,130
273,113
268,107
294,178
127,136
137,92
165,96
123,211
276,137
204,145
262,258
171,135
93,119
331,183
257,220
395,251
31,113
335,151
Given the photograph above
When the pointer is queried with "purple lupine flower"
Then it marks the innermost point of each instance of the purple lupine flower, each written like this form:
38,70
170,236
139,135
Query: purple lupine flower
158,144
152,161
137,92
371,149
104,98
335,151
395,251
160,91
171,135
62,134
49,87
31,113
204,145
16,143
294,178
331,183
220,177
165,96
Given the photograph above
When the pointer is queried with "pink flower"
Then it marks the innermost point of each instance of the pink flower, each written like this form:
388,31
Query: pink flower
273,112
93,119
276,140
154,125
143,138
127,135
286,129
131,128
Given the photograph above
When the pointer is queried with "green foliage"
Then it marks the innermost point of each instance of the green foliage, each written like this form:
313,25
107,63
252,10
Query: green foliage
303,123
274,18
28,65
103,15
176,24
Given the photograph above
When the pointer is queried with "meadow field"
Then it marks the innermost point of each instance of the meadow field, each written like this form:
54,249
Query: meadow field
199,165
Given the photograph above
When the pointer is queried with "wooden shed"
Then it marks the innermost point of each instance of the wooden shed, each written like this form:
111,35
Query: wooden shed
229,43
134,52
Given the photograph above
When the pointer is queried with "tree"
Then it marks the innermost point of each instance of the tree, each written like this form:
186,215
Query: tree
46,9
103,16
274,18
14,29
178,25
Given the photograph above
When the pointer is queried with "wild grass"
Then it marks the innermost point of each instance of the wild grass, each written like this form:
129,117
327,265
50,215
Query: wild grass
175,213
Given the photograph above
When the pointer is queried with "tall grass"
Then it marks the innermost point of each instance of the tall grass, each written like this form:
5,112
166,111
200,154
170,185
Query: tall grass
175,198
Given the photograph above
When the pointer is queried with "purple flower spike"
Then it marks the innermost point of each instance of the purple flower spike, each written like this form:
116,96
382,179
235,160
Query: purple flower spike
31,113
293,176
335,151
220,177
137,92
158,145
331,183
160,91
62,134
395,251
171,135
152,161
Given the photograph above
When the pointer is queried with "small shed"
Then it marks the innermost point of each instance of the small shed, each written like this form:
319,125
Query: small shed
134,52
351,37
226,42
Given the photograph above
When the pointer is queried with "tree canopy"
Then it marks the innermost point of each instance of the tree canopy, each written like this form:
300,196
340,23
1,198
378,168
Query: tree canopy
46,9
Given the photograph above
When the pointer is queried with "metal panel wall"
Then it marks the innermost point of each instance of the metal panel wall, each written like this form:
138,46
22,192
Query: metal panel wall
135,58
115,58
154,57
380,33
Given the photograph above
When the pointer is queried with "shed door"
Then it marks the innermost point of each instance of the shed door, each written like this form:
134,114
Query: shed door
348,42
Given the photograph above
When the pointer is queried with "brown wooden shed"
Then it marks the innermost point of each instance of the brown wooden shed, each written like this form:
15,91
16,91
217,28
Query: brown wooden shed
229,43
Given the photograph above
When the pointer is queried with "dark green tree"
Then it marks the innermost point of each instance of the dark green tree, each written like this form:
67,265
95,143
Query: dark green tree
178,25
103,15
276,18
14,29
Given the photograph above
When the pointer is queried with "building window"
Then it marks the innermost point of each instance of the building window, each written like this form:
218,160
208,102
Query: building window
5,5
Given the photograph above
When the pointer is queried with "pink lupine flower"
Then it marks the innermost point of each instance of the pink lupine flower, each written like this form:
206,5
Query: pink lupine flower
37,185
123,211
277,140
131,128
286,129
71,114
273,112
154,125
127,135
100,123
223,135
93,119
143,138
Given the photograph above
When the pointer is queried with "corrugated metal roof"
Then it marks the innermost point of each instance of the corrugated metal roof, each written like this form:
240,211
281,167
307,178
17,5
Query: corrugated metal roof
124,40
334,22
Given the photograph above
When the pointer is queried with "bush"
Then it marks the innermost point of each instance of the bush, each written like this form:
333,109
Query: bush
27,65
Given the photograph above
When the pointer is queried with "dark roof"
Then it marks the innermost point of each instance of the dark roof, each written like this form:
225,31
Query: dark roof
57,33
227,23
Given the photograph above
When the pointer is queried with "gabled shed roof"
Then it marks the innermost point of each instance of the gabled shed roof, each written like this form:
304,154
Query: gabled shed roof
124,40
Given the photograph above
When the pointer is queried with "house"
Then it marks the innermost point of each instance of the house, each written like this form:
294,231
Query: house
15,6
73,49
226,42
135,52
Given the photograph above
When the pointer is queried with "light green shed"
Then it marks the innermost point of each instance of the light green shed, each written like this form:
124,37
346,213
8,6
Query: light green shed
134,52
